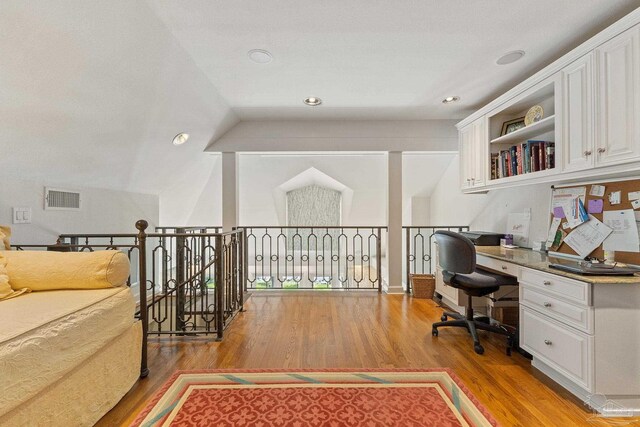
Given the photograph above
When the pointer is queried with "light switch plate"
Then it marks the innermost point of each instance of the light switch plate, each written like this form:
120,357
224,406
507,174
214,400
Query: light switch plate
22,215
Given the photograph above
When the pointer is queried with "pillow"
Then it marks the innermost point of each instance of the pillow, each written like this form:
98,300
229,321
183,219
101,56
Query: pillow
5,289
5,234
45,271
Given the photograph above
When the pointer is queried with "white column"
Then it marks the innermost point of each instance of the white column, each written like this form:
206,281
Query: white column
394,223
229,191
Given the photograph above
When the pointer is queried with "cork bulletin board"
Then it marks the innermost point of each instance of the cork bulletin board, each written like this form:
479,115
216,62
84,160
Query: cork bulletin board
624,187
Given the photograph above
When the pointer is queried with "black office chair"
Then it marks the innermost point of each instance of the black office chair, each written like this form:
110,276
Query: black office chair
457,258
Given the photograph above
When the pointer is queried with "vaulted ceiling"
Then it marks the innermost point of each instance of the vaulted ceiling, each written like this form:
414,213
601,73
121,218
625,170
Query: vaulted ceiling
92,92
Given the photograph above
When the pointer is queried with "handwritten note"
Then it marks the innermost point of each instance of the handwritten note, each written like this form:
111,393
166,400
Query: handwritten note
615,197
634,195
635,204
597,190
584,239
625,232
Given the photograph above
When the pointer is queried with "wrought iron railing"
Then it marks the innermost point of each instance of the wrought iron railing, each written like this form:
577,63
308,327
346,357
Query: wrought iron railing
293,257
194,280
420,249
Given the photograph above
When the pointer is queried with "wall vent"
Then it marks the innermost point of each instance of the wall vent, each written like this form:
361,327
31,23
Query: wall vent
59,199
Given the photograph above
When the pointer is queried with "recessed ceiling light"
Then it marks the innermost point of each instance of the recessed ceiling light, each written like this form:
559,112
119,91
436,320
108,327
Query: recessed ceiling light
450,99
510,57
313,101
180,138
260,56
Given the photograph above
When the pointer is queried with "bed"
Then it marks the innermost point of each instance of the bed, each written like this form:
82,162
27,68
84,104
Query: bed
67,356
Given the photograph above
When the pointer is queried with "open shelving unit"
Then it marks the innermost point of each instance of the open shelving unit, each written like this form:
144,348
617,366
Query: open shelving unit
543,94
545,125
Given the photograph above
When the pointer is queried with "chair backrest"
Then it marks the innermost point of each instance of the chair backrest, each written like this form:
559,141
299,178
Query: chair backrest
456,253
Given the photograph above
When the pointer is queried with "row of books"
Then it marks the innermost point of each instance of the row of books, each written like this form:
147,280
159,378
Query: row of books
531,156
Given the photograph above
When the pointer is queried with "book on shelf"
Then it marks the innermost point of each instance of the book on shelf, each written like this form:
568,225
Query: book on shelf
527,157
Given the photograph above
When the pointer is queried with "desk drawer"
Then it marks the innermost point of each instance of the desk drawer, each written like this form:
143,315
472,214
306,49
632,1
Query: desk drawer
561,347
497,265
570,290
580,317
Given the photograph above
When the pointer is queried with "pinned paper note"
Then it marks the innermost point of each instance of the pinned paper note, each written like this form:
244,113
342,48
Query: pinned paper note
558,212
553,230
635,204
634,195
584,239
564,197
565,226
615,197
577,213
597,191
625,232
595,206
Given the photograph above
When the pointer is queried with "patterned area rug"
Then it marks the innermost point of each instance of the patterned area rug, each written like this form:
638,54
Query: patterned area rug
325,397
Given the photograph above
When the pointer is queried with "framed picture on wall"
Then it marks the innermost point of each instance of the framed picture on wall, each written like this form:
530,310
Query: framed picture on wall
512,126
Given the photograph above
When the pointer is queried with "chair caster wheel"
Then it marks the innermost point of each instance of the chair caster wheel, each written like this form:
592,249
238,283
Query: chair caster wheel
478,348
483,319
434,332
443,318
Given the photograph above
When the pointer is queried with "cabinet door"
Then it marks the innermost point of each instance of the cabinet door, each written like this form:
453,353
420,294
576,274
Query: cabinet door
479,159
465,136
577,141
618,102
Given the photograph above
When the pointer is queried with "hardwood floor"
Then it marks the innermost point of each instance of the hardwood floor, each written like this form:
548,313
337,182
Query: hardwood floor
361,330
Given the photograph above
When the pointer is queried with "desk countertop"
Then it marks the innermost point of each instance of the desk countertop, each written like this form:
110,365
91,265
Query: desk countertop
540,261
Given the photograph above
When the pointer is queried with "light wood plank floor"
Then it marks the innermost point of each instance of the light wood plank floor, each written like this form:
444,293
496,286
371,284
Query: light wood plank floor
361,330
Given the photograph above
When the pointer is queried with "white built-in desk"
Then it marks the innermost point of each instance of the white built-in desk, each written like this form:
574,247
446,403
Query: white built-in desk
583,331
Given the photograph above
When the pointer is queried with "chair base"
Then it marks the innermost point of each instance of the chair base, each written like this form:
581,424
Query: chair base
472,325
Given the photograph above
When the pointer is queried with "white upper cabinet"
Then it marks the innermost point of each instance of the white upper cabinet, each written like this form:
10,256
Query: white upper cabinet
578,150
618,99
472,146
587,125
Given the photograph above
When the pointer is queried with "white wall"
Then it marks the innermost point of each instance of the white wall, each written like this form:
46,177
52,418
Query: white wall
488,212
103,211
260,175
196,197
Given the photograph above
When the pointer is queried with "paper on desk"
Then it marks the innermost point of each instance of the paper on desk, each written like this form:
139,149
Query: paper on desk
576,214
563,198
625,231
584,239
597,190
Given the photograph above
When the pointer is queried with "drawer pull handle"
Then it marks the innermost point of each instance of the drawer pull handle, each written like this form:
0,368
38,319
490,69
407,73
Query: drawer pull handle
546,283
548,342
547,304
504,267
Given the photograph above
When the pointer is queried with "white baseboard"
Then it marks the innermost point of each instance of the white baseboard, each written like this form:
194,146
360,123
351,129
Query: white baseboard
603,406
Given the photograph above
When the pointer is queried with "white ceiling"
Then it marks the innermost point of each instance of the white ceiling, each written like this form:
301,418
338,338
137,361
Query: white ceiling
92,91
376,59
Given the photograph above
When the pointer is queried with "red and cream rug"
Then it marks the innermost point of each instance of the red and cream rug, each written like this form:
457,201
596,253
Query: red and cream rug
319,397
